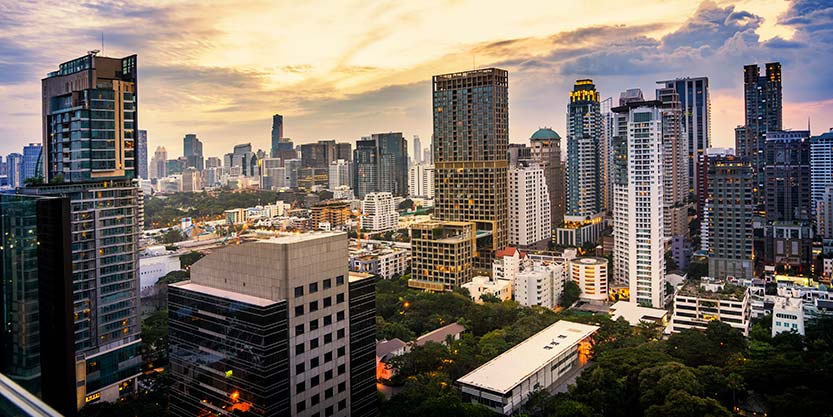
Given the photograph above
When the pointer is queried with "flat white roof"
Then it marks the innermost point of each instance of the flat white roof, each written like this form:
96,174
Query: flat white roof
287,238
514,366
635,313
229,295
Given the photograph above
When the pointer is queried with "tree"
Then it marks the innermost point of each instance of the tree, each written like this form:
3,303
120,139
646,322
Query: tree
489,298
188,259
172,236
406,204
680,403
697,270
570,294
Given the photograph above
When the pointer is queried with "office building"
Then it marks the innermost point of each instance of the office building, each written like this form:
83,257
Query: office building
36,304
698,303
339,174
192,150
277,135
729,216
788,192
344,151
639,253
158,164
762,113
417,155
14,170
93,151
529,206
311,325
319,154
541,362
292,169
379,213
421,180
191,180
427,154
471,134
695,103
381,165
702,199
675,166
366,166
821,164
142,154
244,159
441,255
591,276
824,214
388,261
31,166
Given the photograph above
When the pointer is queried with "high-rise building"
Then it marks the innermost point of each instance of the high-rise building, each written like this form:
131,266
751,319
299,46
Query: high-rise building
763,113
730,212
516,152
344,151
192,150
32,154
703,205
14,169
421,181
159,163
639,253
340,174
471,134
529,206
675,164
92,150
606,152
417,155
243,159
277,134
296,295
584,131
695,103
97,141
427,155
37,347
319,154
824,216
379,213
191,180
788,192
142,154
441,254
381,165
821,164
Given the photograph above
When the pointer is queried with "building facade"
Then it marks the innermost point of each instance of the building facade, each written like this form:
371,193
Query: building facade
545,147
591,276
441,255
730,211
142,154
529,206
379,213
584,131
421,180
32,154
697,304
192,150
339,174
695,102
763,113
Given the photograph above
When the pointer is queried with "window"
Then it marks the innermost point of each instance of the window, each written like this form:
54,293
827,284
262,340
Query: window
300,387
328,357
328,393
340,316
339,298
313,287
300,407
328,375
342,404
342,386
299,329
342,369
340,333
315,399
341,351
313,325
299,291
299,348
314,381
328,301
328,320
340,280
328,338
328,412
313,306
299,311
328,283
313,363
313,343
299,368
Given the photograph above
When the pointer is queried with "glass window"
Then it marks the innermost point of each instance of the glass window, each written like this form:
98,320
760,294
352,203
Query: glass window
313,287
299,329
299,291
299,311
340,280
328,283
313,306
299,348
328,301
300,387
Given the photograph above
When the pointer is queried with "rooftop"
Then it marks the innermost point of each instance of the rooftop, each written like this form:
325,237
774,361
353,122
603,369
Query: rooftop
439,335
386,347
727,292
635,313
228,295
545,133
506,371
358,276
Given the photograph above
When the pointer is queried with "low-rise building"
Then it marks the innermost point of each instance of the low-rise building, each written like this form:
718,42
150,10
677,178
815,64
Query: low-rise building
379,212
481,285
787,315
334,213
696,304
542,362
441,255
636,314
384,260
151,268
591,276
540,284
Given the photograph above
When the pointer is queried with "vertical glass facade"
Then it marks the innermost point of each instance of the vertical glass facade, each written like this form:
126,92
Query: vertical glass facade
363,397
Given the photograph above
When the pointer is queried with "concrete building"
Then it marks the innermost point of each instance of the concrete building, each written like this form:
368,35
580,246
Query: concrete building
730,216
639,253
192,150
153,267
383,260
158,164
529,206
507,264
339,174
482,285
675,165
763,112
591,276
191,180
635,314
142,154
821,164
540,284
441,255
824,214
336,214
703,207
421,181
293,292
379,212
696,304
787,315
541,362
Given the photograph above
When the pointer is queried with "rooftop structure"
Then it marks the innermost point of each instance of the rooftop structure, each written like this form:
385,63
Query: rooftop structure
636,314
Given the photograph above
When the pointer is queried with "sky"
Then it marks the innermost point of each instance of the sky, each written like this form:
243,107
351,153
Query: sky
345,69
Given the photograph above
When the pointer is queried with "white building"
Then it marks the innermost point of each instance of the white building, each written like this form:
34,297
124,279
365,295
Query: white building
191,180
639,253
170,184
821,164
480,285
590,274
540,284
695,305
379,211
540,362
382,259
507,264
151,268
788,315
529,206
343,193
339,174
421,180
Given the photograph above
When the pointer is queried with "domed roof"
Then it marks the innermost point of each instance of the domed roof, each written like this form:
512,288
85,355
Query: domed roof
545,133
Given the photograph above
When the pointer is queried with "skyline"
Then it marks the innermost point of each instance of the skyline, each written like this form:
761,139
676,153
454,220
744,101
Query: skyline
221,73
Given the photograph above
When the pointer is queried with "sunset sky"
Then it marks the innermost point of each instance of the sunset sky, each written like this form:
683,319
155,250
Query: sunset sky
346,69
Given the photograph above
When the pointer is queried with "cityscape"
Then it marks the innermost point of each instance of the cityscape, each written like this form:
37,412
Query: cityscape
650,242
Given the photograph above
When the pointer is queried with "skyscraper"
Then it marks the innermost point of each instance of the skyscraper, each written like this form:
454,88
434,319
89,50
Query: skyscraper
366,164
639,253
158,164
14,169
529,206
584,131
730,215
344,151
89,121
545,147
763,113
821,164
695,103
31,161
142,154
277,131
381,165
339,174
675,166
192,150
417,154
310,317
471,133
